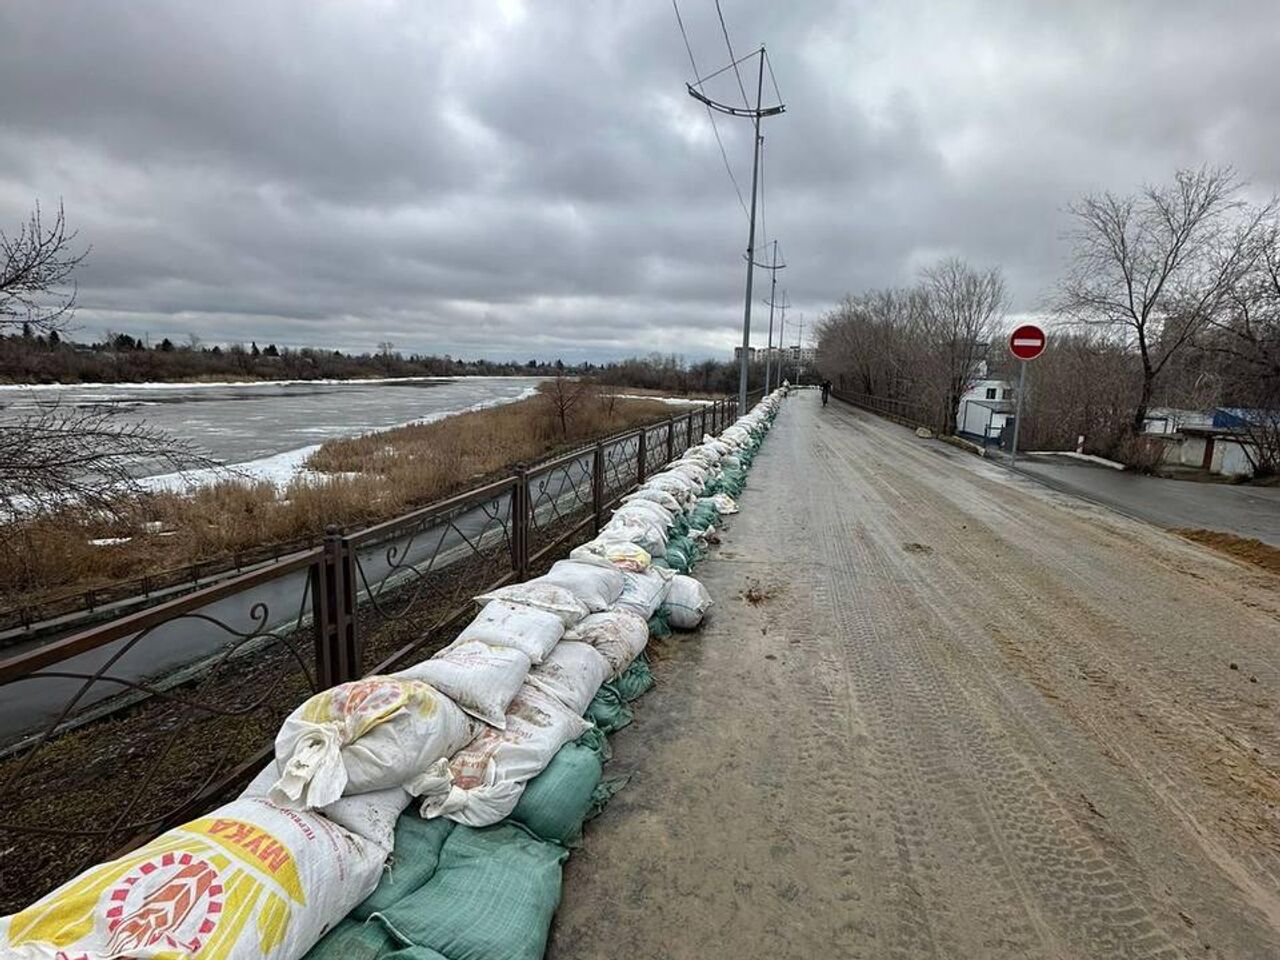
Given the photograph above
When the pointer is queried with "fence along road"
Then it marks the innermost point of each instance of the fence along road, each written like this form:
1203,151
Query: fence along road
280,598
965,716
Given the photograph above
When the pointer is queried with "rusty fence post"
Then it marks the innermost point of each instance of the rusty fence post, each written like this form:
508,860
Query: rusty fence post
520,523
688,437
597,487
333,603
704,423
671,439
641,456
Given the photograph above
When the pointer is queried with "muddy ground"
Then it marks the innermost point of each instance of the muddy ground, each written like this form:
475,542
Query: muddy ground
942,711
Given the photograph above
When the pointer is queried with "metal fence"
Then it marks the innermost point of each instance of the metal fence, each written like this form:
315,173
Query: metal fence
112,735
903,411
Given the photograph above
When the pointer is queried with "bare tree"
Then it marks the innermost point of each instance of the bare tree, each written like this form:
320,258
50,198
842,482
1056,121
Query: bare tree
1242,345
963,308
69,457
36,264
1154,268
56,457
564,395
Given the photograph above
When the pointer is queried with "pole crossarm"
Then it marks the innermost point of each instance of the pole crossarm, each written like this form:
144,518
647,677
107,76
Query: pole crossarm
735,111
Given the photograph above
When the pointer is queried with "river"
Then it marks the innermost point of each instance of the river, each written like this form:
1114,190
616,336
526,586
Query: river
266,430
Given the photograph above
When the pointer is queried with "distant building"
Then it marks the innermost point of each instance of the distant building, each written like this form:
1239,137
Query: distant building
806,356
985,409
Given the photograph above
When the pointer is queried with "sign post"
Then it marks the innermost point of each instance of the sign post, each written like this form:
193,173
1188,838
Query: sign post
1026,343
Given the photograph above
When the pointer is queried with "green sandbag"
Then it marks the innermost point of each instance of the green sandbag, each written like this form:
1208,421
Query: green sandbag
605,791
635,681
679,526
595,741
557,800
413,953
354,940
608,711
704,515
413,861
659,628
681,555
492,897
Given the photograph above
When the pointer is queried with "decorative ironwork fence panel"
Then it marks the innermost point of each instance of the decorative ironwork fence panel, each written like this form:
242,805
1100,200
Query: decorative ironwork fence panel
119,732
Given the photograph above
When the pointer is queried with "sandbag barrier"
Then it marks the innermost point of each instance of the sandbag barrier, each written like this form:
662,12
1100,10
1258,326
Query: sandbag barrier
429,810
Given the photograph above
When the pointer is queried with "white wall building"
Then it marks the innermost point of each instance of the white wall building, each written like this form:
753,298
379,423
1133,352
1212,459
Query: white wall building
985,408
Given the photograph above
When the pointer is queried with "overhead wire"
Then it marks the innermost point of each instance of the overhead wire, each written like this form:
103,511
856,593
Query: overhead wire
728,43
724,156
772,79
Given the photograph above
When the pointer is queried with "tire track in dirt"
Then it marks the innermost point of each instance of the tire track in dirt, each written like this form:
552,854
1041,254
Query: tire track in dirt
1171,701
924,741
941,601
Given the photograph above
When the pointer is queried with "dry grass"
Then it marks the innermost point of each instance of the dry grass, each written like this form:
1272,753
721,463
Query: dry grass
1242,548
355,482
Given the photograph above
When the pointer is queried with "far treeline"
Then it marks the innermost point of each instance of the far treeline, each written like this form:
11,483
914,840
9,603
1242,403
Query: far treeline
1171,298
29,356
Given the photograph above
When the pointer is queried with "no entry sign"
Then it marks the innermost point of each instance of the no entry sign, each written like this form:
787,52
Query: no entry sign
1027,342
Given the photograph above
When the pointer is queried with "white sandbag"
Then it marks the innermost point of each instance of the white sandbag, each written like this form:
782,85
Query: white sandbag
366,735
719,446
687,602
596,586
540,595
638,530
368,815
619,635
654,495
724,504
488,776
572,673
679,487
501,623
648,511
604,551
250,881
479,677
693,470
706,452
643,593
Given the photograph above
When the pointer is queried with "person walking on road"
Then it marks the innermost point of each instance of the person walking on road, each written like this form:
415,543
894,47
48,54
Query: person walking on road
826,391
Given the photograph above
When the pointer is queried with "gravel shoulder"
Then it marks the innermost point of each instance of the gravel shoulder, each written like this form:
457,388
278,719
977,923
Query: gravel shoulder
970,717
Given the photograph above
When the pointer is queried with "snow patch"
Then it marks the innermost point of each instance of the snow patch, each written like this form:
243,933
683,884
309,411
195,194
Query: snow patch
281,469
674,401
1091,458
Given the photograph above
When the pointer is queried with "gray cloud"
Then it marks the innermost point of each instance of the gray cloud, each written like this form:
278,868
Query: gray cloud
518,178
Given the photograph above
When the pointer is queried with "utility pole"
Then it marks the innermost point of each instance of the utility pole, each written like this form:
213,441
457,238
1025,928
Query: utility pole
799,349
743,367
756,116
773,268
782,339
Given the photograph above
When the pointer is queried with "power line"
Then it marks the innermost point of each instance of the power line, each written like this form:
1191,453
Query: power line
772,79
724,156
728,66
725,30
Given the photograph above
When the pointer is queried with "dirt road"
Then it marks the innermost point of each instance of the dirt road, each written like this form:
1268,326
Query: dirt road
965,716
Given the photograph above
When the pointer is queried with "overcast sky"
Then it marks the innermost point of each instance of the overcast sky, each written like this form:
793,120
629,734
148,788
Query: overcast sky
530,179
